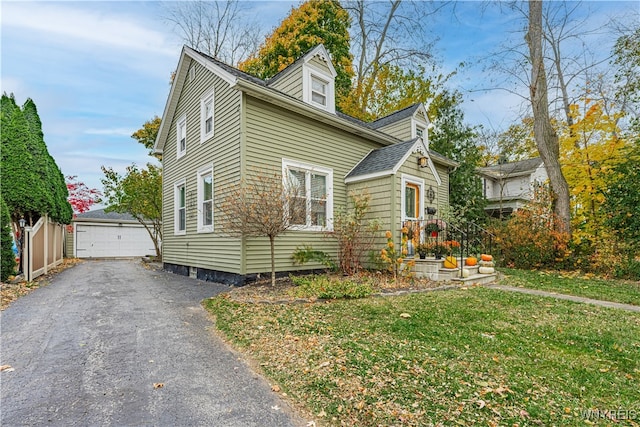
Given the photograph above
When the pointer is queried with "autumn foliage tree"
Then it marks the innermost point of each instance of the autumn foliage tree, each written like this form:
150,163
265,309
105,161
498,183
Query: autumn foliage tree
314,22
262,205
139,193
81,197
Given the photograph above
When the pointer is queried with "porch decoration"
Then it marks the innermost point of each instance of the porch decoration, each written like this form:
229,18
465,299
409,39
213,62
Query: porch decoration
471,261
486,264
450,262
486,257
422,249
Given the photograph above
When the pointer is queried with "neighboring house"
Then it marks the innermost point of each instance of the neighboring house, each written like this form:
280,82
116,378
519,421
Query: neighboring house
98,234
508,186
219,124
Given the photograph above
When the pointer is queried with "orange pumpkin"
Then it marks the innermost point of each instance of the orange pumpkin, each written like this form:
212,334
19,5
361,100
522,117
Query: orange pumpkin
471,261
450,262
485,257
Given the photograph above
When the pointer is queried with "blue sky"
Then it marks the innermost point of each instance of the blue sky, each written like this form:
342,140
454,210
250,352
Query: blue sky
98,70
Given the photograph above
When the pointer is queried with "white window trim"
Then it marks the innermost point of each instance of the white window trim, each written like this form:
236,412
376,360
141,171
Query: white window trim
201,172
309,73
179,122
206,97
286,164
176,201
409,179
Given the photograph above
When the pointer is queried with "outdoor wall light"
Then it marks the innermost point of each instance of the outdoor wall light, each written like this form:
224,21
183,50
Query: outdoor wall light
422,161
22,222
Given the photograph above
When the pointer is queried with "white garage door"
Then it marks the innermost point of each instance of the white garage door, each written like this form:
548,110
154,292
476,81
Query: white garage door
108,241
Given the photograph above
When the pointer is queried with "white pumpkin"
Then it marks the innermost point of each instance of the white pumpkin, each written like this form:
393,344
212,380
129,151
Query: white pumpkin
486,270
466,272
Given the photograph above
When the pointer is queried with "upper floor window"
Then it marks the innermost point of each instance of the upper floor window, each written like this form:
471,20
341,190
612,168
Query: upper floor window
181,131
319,91
180,203
419,132
312,204
206,116
205,200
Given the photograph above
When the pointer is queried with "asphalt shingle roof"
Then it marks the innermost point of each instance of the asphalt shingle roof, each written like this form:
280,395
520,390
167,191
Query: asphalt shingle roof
100,214
512,168
395,116
382,159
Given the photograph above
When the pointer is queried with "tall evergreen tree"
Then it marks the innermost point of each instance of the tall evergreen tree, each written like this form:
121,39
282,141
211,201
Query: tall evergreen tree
314,22
33,185
7,257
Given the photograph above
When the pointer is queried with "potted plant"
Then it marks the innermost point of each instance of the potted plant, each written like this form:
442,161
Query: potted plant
439,249
434,226
432,229
422,250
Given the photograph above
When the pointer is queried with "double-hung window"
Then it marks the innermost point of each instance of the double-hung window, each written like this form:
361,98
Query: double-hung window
180,203
311,203
181,131
206,116
205,200
319,89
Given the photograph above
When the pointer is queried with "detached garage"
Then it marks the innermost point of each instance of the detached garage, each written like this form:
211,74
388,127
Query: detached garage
98,234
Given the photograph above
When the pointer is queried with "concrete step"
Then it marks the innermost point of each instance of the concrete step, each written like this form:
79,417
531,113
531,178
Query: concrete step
476,279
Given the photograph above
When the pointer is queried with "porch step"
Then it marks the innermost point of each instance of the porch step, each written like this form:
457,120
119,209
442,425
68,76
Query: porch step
476,279
432,269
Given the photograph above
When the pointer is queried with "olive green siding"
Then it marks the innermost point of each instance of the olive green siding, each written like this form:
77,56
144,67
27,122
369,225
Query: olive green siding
290,83
379,190
400,129
222,152
274,133
319,64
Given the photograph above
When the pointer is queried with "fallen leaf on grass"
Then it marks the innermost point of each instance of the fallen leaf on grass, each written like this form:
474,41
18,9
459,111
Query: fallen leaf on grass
158,385
7,368
405,315
275,388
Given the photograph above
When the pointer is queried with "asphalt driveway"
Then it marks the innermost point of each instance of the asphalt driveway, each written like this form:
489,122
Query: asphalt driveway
88,348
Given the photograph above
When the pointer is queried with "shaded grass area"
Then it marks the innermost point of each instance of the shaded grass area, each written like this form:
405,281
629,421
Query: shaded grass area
622,291
476,356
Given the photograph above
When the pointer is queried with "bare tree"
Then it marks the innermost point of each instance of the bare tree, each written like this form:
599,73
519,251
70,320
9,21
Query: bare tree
543,131
222,29
263,205
392,33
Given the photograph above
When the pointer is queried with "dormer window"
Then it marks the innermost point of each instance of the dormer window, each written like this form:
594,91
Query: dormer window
419,132
318,88
319,91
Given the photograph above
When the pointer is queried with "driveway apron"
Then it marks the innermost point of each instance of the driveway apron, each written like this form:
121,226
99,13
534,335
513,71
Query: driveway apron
114,343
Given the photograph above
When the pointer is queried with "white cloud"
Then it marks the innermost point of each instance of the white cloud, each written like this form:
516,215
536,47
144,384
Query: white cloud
85,25
113,131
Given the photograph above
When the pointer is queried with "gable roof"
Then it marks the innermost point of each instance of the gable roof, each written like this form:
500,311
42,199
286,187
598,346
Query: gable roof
260,89
511,169
304,58
100,215
395,116
387,160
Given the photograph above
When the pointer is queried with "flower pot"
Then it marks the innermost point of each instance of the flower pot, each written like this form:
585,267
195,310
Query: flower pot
422,256
434,234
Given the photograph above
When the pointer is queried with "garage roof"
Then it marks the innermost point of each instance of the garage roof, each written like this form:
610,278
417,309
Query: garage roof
102,216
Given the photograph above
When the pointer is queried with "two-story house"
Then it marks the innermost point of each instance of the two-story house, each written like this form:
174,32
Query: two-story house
219,124
508,186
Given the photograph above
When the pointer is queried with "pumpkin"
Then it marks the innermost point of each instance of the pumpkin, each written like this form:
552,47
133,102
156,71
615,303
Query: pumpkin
486,257
465,272
486,270
450,262
471,261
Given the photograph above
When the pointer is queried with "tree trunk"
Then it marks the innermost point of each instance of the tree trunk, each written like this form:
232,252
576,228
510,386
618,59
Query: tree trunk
273,260
544,134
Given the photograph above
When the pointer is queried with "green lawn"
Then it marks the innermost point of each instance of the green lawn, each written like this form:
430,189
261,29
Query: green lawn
621,291
468,357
